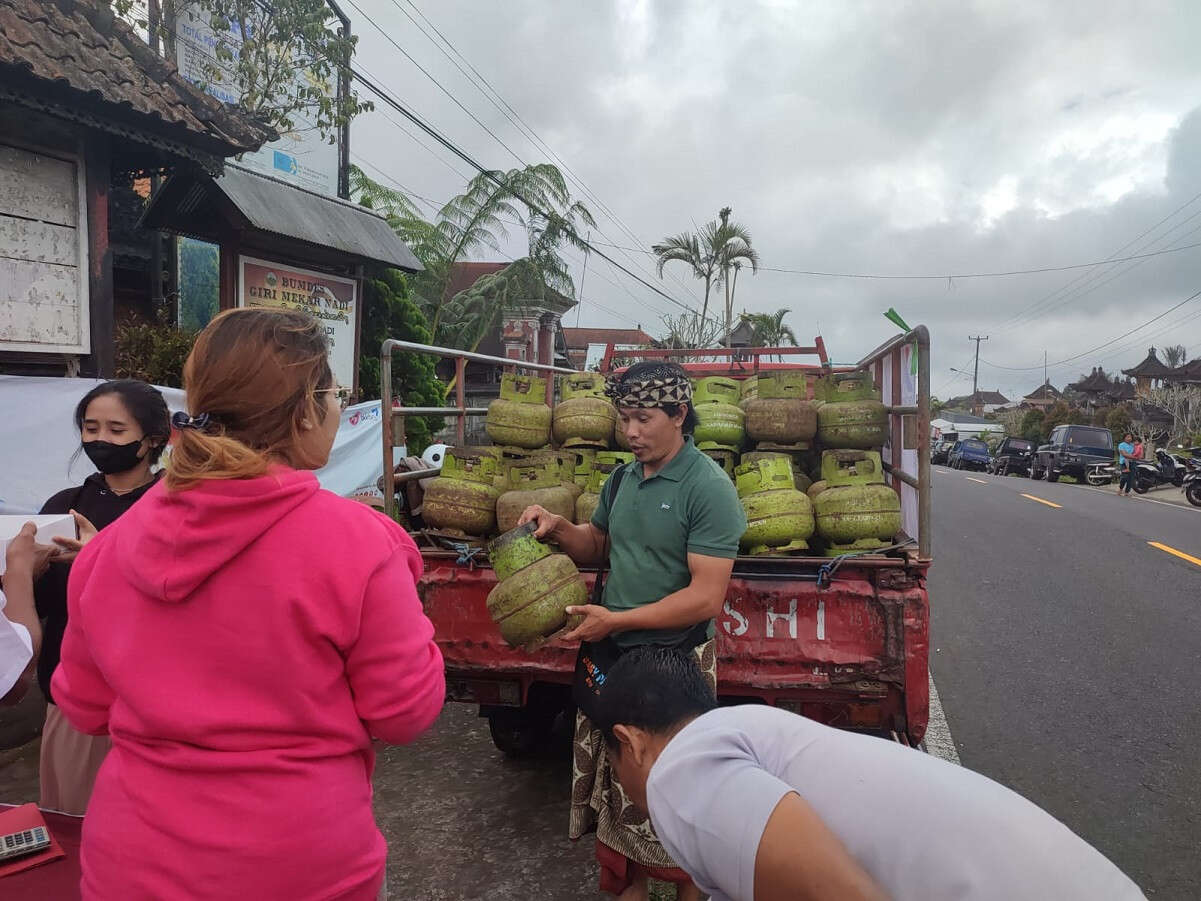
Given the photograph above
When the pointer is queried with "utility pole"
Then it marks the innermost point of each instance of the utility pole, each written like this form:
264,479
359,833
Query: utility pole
976,371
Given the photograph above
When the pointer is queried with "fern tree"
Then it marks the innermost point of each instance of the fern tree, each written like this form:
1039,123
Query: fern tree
535,198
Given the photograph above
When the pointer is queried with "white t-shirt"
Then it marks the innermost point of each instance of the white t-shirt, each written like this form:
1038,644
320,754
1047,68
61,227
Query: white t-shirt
16,650
924,829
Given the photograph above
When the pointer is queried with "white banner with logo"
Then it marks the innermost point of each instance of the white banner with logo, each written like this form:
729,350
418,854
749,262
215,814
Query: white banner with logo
39,440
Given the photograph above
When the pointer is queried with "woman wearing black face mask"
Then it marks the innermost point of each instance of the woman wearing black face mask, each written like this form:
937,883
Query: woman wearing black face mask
123,426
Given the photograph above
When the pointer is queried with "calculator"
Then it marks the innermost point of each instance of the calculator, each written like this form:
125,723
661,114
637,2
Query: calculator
27,841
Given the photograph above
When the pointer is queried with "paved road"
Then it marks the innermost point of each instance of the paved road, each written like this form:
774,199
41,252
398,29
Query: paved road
1066,650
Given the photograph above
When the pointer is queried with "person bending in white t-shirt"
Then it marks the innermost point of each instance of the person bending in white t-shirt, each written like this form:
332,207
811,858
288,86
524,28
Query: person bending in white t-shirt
20,629
758,804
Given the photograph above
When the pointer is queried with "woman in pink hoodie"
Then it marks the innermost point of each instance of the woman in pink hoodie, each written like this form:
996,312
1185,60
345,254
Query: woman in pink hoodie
242,635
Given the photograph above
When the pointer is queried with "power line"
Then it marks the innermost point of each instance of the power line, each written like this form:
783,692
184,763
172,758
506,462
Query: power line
490,93
1103,275
436,205
949,275
964,275
1085,276
491,176
439,84
1099,346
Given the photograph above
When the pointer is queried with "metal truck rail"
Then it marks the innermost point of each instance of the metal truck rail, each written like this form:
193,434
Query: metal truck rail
843,641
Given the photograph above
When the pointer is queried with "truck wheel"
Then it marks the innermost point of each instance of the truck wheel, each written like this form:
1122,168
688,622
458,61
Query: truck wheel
518,732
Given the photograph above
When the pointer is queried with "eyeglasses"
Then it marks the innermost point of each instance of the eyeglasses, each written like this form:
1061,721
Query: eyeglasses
343,395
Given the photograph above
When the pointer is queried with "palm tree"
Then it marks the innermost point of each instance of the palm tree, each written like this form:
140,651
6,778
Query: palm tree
1175,356
719,247
686,248
769,330
731,247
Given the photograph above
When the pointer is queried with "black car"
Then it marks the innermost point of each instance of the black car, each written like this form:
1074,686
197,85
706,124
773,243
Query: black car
941,449
1013,455
1070,451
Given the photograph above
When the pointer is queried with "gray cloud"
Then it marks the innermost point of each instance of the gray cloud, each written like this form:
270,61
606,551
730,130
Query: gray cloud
866,137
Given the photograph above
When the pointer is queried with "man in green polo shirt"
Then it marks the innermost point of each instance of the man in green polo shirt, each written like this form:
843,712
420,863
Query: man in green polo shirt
670,524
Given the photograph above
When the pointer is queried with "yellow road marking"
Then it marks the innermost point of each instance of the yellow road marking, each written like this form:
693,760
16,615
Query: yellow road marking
981,481
1175,553
1041,501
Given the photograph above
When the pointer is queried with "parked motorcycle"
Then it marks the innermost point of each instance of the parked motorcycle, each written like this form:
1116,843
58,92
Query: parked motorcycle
1192,482
1099,474
1148,475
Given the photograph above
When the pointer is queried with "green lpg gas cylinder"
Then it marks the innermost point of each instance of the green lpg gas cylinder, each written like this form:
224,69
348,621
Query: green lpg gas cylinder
463,497
721,424
781,414
852,415
520,416
534,482
584,417
536,587
776,513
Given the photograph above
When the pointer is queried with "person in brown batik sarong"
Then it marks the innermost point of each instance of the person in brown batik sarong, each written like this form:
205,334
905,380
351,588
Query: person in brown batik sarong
670,524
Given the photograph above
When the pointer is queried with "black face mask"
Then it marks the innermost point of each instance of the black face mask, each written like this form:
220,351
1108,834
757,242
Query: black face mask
111,458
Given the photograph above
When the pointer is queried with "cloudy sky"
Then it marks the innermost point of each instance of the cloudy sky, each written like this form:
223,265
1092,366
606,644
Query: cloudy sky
878,138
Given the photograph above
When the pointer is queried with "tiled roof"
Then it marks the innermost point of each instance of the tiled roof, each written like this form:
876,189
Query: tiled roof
1189,372
1095,382
76,53
464,275
988,398
1151,368
580,338
1043,392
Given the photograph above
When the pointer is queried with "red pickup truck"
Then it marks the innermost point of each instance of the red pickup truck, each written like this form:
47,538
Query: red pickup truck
844,641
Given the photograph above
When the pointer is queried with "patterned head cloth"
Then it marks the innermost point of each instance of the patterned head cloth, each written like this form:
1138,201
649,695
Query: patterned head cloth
650,385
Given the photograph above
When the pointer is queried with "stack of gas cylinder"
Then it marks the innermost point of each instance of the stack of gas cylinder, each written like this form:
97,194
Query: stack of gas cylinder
803,441
804,455
557,459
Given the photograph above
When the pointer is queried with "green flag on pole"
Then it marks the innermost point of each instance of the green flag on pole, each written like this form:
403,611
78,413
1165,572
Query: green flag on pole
895,318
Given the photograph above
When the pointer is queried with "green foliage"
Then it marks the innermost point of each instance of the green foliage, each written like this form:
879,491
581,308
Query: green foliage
1062,413
536,198
154,352
1118,421
286,67
199,289
1034,427
769,330
1174,356
389,312
712,253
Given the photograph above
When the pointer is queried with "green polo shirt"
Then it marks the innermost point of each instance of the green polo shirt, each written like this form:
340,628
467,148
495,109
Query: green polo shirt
689,506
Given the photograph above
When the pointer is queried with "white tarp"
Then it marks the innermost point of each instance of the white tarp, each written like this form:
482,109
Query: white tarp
38,440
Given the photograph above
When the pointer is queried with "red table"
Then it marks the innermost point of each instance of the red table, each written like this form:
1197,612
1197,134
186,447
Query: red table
58,879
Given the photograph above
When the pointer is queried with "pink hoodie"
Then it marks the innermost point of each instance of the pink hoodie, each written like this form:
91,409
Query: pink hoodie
242,642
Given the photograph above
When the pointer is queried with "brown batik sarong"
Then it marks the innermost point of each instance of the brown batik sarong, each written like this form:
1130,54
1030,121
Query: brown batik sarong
597,799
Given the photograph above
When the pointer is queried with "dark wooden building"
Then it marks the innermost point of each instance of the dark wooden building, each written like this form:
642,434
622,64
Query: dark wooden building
1148,374
86,109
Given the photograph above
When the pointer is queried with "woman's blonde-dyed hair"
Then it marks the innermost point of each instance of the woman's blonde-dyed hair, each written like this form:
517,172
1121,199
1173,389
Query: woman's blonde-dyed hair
255,372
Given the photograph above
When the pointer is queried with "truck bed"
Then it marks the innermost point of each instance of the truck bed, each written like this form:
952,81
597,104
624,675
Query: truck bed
850,652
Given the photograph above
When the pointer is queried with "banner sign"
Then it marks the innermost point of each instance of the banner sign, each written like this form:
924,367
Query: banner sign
39,445
301,157
328,298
